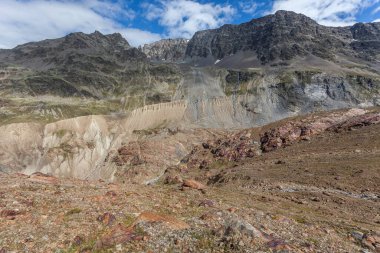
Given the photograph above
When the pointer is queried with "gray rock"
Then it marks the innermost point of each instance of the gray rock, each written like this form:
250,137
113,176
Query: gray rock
167,50
286,35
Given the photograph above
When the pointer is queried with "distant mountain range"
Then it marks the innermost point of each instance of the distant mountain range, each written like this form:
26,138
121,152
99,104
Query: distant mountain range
301,65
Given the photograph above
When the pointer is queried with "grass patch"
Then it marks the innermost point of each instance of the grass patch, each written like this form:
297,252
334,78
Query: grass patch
128,220
62,132
73,211
301,220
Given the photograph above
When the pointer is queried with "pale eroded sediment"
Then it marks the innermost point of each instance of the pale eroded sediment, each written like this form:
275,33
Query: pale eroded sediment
78,147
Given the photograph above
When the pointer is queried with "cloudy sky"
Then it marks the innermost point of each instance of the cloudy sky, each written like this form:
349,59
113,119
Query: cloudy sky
142,21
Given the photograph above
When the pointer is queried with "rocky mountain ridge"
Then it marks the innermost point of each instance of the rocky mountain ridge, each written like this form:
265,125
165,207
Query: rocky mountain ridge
64,52
284,36
269,68
166,50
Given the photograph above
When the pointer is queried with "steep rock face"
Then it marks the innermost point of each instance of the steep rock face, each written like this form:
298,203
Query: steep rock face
167,50
366,39
281,37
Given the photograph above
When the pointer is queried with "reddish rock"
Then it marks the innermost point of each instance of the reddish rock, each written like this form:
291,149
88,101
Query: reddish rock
234,147
167,220
39,177
117,235
356,122
278,245
9,214
193,184
112,194
292,132
107,219
372,241
19,174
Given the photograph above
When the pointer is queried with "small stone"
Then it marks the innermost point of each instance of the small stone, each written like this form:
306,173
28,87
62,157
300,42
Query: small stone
315,199
278,245
371,241
119,234
111,194
357,235
78,240
207,203
107,219
193,184
205,145
173,179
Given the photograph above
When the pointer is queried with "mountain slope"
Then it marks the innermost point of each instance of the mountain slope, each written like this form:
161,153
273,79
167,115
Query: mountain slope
284,36
85,65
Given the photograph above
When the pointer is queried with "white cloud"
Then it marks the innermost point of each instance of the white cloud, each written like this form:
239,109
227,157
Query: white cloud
377,20
182,18
248,7
376,10
326,12
33,20
138,37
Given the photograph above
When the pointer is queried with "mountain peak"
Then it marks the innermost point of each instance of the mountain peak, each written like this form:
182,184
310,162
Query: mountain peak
283,36
167,50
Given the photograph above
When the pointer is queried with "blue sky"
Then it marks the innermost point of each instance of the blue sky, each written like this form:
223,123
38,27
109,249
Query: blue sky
145,21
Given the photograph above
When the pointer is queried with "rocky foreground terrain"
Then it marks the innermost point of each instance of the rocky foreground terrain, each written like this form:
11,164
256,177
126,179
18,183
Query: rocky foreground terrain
305,184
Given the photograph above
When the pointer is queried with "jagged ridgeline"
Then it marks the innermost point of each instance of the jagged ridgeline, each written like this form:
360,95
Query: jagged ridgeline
234,76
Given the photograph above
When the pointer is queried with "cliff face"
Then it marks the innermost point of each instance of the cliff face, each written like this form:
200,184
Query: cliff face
167,50
284,36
